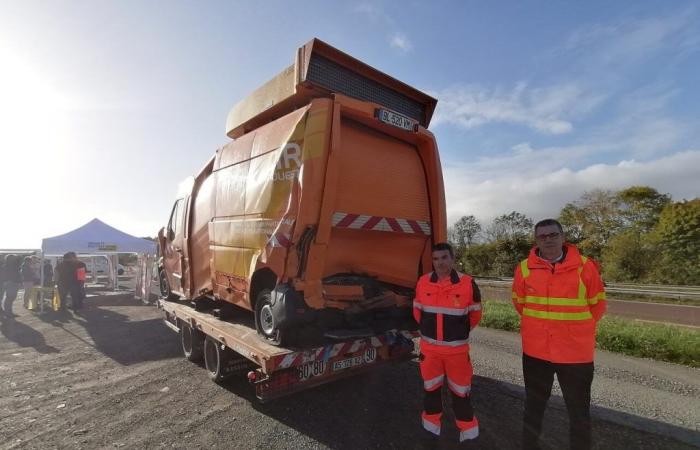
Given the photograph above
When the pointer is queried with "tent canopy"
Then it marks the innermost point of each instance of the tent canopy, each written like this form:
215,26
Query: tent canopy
96,237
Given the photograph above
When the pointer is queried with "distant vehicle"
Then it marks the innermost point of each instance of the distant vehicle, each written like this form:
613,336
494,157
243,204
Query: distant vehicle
321,214
101,265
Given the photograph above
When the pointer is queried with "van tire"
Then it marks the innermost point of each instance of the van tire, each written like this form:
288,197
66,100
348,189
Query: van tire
165,291
215,359
265,322
192,341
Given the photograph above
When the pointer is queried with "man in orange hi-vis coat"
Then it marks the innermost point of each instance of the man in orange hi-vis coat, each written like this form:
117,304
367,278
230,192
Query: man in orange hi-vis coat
447,307
560,297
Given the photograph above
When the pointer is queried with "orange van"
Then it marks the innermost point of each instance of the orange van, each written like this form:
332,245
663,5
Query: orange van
319,215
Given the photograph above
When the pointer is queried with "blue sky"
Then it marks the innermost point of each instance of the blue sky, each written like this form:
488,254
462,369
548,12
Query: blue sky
106,106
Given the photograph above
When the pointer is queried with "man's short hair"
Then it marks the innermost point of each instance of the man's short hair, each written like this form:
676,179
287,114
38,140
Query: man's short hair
548,222
444,246
69,255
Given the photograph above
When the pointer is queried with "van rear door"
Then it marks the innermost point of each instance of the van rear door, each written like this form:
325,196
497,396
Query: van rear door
381,218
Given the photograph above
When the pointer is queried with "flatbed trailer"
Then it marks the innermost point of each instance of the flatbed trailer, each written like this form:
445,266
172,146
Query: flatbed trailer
232,346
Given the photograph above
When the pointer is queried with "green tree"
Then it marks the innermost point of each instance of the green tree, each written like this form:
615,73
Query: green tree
592,220
465,230
678,233
510,226
628,257
640,207
478,259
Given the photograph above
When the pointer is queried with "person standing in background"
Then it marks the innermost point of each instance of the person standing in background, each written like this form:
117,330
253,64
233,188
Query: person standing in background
78,290
65,274
48,273
12,279
29,276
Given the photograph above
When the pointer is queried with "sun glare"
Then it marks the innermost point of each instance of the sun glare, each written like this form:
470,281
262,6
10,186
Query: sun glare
35,142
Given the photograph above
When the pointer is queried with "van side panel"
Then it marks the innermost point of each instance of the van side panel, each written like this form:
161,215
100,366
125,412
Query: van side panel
382,210
256,204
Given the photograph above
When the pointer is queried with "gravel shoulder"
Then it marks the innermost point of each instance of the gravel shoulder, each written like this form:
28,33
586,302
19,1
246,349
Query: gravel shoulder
113,377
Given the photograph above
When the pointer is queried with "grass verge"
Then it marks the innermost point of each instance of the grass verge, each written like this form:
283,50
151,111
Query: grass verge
663,342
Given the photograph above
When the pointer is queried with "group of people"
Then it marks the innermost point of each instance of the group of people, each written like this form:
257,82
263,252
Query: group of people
17,272
559,296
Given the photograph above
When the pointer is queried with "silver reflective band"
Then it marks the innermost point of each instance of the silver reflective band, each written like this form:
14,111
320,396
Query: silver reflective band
476,307
471,433
458,388
445,343
427,384
435,429
442,310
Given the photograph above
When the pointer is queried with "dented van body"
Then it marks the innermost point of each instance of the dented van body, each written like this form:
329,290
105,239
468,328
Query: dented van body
320,214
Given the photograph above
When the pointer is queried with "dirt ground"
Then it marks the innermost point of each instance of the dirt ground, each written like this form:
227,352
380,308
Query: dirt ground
112,376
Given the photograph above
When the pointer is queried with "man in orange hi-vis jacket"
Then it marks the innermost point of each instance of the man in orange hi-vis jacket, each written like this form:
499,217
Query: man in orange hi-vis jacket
560,297
447,307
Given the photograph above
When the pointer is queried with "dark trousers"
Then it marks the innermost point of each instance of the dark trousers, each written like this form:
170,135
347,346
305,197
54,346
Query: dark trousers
77,294
10,294
575,381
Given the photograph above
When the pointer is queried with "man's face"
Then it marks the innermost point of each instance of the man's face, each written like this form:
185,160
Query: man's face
549,239
442,262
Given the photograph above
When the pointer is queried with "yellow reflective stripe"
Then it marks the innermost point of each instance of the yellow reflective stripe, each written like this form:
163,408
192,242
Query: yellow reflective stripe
517,298
551,315
596,299
581,286
524,269
557,301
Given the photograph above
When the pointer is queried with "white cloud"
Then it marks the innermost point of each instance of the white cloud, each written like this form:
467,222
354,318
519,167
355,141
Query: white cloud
633,40
530,184
400,42
548,110
373,13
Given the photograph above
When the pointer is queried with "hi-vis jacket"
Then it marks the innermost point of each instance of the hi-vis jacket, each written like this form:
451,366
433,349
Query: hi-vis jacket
559,304
446,311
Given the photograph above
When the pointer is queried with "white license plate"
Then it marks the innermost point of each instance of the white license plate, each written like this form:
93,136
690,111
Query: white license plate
396,120
370,355
311,369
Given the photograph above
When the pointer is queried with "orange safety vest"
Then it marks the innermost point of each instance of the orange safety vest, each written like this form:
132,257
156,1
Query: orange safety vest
446,312
559,306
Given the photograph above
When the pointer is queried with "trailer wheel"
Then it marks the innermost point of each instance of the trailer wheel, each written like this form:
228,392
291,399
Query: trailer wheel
215,359
165,286
265,320
192,342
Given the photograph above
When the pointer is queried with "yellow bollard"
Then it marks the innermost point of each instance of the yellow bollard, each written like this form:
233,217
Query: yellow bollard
32,300
56,300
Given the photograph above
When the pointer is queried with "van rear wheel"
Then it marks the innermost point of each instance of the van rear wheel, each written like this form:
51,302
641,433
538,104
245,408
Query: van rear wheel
192,342
266,322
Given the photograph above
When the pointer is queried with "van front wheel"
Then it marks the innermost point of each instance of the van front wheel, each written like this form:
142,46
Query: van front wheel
165,291
265,321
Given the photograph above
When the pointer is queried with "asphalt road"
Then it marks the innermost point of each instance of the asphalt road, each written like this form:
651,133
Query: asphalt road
113,377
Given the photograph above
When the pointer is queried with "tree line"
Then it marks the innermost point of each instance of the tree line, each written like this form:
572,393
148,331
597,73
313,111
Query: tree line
636,234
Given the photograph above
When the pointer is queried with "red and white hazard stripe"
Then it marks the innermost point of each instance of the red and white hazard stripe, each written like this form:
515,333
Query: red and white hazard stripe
379,223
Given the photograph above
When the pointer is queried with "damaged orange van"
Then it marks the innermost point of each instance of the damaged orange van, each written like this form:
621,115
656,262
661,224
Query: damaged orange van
319,215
